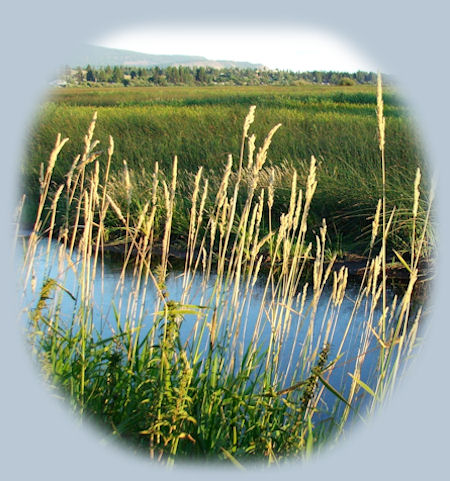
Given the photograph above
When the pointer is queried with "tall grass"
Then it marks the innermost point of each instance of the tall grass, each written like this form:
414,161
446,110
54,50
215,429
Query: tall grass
199,125
227,389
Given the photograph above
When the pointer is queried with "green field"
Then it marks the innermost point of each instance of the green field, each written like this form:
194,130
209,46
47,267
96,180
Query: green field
202,125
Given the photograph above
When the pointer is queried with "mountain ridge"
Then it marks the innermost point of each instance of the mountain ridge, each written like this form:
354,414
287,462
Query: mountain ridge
98,56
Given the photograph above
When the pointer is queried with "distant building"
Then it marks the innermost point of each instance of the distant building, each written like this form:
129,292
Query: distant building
58,83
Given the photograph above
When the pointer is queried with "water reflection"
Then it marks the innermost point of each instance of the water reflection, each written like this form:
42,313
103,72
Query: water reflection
118,297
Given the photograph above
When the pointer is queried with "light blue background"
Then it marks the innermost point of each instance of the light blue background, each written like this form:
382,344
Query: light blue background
408,439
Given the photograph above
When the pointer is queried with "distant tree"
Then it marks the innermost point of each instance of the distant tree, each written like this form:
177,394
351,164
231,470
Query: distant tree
155,75
90,76
334,78
372,78
117,75
360,76
172,75
107,72
200,74
186,75
100,75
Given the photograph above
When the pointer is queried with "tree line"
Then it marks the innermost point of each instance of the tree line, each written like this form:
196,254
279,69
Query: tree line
182,75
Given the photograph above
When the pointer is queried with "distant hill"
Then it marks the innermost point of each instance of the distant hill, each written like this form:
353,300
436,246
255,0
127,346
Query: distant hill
102,56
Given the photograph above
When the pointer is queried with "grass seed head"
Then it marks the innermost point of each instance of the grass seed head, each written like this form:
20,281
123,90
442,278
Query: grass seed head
249,119
416,193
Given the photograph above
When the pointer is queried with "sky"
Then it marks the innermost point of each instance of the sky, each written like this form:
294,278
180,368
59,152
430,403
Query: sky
288,49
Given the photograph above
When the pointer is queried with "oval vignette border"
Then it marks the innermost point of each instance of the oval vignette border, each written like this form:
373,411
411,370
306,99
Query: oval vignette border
408,437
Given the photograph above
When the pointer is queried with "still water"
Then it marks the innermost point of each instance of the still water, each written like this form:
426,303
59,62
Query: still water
116,295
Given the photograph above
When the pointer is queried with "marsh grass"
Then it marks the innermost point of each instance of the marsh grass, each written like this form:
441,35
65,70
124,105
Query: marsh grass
229,390
200,126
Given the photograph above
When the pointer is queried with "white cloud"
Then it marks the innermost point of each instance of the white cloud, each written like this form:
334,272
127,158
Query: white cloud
292,49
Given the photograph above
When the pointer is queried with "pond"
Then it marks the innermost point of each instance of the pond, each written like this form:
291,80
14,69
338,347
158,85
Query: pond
248,315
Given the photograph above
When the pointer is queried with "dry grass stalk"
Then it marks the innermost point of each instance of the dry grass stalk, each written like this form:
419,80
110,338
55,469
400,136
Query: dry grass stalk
381,138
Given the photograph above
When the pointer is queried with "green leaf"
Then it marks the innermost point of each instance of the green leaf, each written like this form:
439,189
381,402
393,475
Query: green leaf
65,290
194,306
109,339
332,363
232,459
336,393
363,385
183,312
310,438
405,264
